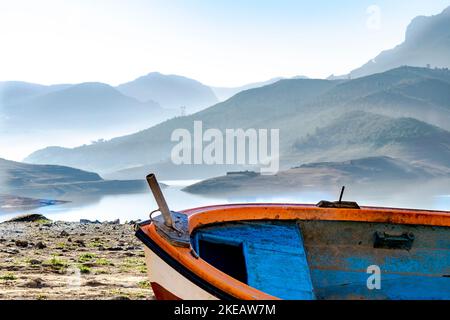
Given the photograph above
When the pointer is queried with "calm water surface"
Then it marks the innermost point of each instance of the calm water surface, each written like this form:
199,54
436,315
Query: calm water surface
138,206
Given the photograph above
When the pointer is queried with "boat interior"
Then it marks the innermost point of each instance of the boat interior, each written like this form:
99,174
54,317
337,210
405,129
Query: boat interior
316,259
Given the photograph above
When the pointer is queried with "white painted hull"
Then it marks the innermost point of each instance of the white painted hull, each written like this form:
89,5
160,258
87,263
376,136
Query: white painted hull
165,278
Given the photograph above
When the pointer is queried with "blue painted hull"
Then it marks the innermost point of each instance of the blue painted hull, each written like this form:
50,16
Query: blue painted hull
308,260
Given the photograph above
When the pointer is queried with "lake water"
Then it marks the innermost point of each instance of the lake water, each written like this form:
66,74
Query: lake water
138,206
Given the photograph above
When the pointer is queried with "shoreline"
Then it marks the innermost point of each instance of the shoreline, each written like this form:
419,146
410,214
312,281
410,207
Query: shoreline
11,204
48,260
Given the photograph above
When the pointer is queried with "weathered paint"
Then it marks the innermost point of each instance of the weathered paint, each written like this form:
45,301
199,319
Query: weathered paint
336,284
273,253
339,254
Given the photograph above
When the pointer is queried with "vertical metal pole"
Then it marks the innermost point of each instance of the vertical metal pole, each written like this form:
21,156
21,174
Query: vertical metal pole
160,200
342,194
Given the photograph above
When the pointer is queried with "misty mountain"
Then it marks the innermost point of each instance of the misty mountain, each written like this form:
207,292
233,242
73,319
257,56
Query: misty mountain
347,91
419,93
83,106
246,109
16,91
170,91
35,116
427,42
323,176
170,171
299,108
49,181
224,93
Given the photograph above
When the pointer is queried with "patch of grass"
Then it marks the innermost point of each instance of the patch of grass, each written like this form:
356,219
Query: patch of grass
116,291
57,264
124,269
120,293
61,245
103,262
41,297
95,244
135,263
86,257
142,269
84,269
8,277
144,284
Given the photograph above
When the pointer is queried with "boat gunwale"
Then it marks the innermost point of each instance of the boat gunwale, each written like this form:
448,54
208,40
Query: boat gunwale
197,216
210,215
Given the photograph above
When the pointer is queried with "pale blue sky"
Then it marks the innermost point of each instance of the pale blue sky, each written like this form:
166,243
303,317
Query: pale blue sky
218,42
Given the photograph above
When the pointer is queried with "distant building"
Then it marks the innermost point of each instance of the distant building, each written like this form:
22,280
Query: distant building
243,173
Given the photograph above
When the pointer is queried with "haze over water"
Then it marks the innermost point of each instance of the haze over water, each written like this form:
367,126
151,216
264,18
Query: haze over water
129,207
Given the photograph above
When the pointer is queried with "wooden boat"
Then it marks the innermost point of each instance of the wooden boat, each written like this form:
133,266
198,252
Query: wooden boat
272,251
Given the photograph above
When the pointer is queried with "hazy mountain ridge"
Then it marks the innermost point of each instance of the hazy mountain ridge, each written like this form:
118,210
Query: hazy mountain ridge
46,181
155,145
297,107
348,90
359,132
19,173
427,41
76,114
224,93
365,173
171,91
16,91
33,116
378,168
79,106
420,93
358,127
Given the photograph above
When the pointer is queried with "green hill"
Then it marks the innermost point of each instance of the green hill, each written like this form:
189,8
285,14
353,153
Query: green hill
359,132
361,174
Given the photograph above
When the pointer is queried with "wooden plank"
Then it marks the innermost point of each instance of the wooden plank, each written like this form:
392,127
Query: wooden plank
275,257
